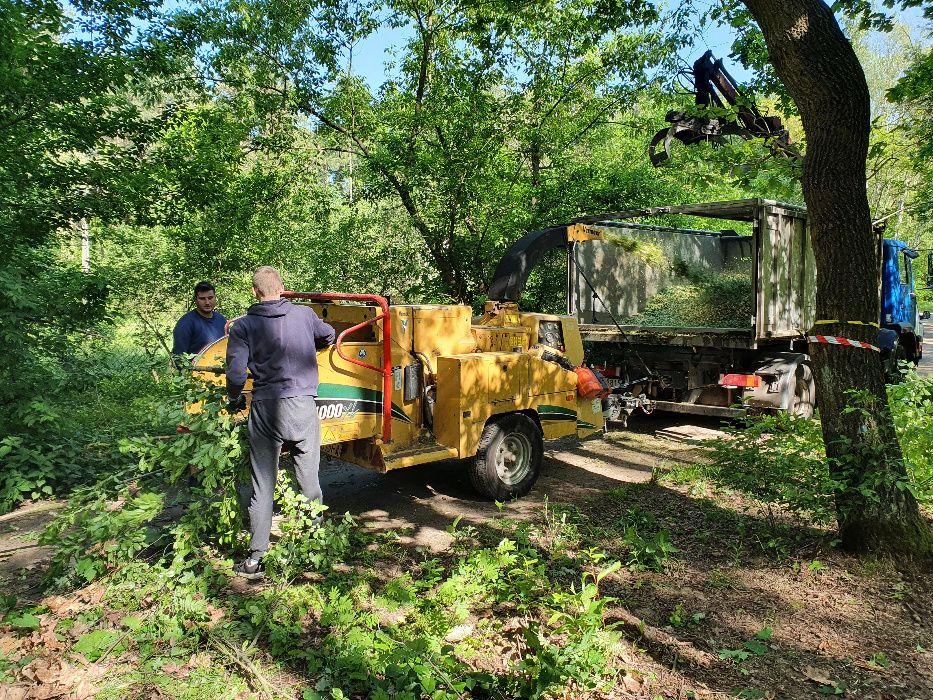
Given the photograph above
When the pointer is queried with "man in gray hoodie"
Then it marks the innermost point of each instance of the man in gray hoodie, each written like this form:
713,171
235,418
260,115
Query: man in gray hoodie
278,341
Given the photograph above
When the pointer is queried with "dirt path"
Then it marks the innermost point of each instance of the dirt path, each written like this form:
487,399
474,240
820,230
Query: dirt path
21,557
423,501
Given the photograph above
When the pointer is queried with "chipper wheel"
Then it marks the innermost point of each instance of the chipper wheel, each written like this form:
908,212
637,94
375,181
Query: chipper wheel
508,458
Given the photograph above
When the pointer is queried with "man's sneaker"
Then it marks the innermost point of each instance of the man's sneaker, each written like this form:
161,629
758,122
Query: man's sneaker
248,568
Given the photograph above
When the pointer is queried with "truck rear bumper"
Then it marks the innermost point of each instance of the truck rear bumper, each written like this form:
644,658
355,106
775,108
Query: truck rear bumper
699,409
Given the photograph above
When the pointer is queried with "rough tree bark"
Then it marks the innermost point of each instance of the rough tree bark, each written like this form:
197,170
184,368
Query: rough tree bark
820,70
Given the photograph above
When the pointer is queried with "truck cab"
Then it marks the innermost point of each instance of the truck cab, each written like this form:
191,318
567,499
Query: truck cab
900,338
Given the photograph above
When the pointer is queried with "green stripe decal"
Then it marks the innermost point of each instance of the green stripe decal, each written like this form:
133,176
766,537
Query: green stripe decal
356,399
551,413
347,391
584,424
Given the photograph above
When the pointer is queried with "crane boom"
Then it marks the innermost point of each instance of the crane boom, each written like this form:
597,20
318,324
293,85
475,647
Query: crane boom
714,87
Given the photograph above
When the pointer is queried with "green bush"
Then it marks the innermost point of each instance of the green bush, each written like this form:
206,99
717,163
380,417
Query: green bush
912,408
40,461
781,460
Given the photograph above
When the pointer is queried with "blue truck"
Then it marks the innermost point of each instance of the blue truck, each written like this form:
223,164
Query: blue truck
901,334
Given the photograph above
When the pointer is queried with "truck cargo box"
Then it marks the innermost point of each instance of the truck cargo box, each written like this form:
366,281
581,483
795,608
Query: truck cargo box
700,288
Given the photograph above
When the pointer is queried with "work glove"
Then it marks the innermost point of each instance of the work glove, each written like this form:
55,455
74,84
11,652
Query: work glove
236,405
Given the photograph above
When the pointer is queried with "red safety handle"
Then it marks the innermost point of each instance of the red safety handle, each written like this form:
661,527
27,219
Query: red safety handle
386,369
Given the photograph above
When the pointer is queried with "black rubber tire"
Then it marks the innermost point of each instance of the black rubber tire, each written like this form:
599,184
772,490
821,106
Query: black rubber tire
508,457
804,392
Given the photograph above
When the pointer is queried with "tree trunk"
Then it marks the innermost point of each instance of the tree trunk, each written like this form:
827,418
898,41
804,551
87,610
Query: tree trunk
85,232
820,70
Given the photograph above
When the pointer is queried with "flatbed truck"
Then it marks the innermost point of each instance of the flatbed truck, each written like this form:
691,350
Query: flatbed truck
759,361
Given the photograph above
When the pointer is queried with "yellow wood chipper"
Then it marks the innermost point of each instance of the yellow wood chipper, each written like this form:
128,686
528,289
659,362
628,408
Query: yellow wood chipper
412,384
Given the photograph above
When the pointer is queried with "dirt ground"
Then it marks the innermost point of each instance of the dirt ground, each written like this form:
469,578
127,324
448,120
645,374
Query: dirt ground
824,622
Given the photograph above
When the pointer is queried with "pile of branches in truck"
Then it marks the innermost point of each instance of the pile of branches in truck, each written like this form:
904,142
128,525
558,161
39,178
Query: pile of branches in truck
708,300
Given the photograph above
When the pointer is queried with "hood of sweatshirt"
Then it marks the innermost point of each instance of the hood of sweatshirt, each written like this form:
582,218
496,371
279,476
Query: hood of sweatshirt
270,309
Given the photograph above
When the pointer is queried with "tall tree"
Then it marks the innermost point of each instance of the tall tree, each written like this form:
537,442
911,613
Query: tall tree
485,102
818,66
70,137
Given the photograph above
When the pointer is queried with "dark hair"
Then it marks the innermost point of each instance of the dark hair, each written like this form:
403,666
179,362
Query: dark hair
202,287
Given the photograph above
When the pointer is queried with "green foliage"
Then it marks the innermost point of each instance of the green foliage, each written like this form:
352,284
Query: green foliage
779,460
879,660
95,534
95,644
429,139
69,131
588,642
649,547
753,647
409,655
209,455
30,472
911,404
45,307
307,542
196,471
23,621
648,552
678,616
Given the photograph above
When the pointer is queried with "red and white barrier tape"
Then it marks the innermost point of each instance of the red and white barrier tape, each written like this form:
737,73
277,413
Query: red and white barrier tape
836,340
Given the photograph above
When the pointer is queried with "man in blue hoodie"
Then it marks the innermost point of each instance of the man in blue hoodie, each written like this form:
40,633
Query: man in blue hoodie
278,341
200,326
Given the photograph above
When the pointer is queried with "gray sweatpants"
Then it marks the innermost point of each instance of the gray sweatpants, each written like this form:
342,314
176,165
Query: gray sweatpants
272,422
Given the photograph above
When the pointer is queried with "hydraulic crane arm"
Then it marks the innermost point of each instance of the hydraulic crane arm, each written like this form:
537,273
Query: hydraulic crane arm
714,87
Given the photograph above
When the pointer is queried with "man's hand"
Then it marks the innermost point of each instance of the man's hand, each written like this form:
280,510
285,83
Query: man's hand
236,405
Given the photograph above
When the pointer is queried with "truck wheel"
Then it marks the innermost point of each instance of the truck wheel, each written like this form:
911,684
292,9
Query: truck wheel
804,392
508,458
